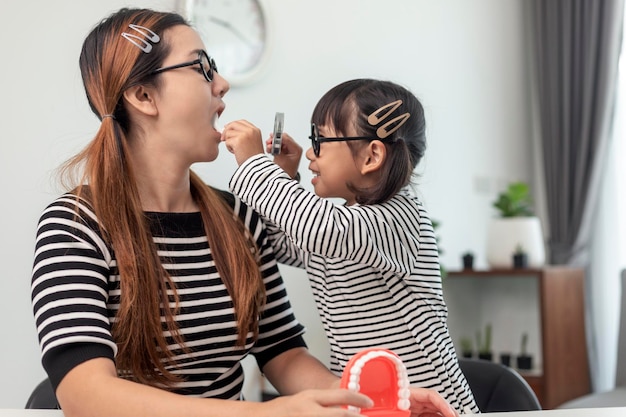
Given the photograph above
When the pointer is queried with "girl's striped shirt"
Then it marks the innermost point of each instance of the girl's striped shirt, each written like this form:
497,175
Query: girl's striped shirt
373,269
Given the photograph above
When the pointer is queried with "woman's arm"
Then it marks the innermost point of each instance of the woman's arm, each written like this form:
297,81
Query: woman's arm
286,371
93,389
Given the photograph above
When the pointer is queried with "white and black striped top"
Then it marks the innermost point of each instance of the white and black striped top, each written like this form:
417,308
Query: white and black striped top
76,290
373,269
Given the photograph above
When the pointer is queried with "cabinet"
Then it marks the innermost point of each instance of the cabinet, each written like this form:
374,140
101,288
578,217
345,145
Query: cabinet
546,303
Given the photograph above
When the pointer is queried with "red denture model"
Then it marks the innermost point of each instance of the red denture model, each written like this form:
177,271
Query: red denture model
381,375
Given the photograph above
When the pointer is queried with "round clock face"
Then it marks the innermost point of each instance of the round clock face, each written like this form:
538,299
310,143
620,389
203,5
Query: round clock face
235,34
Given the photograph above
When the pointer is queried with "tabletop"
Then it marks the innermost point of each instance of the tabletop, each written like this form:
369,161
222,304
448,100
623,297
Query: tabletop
570,412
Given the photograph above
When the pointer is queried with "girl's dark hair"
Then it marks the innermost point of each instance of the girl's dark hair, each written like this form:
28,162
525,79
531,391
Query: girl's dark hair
349,104
103,174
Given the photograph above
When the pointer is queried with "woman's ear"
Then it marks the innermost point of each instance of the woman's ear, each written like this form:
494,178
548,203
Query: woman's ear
141,99
374,156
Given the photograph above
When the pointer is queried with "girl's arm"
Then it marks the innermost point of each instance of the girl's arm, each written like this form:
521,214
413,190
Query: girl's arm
285,250
290,154
314,224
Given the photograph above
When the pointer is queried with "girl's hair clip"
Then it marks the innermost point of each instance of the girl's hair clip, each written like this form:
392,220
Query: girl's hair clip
142,42
392,125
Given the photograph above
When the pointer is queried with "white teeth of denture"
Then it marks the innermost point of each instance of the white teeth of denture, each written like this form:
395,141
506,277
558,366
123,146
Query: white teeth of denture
353,386
404,404
403,379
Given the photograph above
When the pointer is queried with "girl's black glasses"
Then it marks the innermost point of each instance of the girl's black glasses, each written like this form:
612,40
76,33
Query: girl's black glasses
316,139
207,65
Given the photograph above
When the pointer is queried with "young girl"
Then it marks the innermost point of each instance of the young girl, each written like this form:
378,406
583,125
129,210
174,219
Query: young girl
373,262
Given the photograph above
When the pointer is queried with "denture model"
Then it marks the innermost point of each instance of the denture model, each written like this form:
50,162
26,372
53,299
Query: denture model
381,375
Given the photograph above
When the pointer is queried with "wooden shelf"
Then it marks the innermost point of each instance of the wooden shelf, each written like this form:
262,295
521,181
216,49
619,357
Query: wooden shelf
549,301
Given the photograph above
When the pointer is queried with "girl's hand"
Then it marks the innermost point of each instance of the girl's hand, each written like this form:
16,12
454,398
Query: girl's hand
427,403
243,139
290,154
318,403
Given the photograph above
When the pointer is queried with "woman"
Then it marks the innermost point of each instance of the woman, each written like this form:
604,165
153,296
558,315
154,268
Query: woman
148,286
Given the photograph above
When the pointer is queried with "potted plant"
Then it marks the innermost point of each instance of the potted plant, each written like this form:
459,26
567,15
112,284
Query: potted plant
467,350
468,260
442,269
524,359
484,344
516,225
520,258
505,358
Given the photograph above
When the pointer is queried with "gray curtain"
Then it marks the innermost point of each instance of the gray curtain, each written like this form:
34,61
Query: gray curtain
576,46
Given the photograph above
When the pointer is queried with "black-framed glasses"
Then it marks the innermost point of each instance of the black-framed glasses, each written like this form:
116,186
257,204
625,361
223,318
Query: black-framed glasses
316,139
207,65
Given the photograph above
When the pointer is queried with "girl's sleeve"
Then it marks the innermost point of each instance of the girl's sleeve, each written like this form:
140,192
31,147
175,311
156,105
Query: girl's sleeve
69,289
316,225
285,250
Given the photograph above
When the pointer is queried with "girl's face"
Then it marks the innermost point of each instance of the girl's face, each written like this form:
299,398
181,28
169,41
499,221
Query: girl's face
334,168
188,104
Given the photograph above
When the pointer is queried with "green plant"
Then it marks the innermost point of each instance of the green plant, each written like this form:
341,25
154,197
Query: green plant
484,344
515,201
524,344
466,344
442,269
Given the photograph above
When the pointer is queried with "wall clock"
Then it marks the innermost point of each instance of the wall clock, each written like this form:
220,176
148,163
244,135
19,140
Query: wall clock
236,34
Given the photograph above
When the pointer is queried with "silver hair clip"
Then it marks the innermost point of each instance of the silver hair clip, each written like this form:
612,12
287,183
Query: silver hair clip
140,42
383,131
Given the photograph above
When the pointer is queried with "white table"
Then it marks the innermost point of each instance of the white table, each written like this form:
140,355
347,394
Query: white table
572,412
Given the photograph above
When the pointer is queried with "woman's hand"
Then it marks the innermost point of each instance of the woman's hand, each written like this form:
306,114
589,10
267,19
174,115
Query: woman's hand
243,139
290,154
317,403
428,402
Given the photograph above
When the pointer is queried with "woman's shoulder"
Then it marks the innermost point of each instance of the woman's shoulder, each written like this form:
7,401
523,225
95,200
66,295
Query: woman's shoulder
67,218
248,216
71,204
227,196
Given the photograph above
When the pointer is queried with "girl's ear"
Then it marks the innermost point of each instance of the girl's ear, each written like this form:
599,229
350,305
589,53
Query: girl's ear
141,99
375,154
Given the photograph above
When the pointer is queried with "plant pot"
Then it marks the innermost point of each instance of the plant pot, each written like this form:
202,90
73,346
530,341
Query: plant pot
505,359
467,354
520,261
485,356
468,261
524,362
506,234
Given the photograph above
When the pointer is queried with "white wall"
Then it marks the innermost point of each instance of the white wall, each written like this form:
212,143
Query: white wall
465,60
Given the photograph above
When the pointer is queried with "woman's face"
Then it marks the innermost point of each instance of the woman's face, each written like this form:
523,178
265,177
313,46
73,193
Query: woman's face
188,104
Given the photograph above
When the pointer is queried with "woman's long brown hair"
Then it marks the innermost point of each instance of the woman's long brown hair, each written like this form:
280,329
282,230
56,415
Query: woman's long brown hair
110,64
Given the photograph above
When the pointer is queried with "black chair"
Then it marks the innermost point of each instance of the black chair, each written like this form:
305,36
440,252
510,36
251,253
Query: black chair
498,388
43,397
